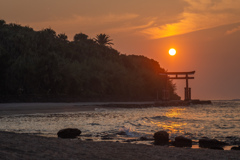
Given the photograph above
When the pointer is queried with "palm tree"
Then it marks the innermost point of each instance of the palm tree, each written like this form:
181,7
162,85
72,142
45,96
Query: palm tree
103,39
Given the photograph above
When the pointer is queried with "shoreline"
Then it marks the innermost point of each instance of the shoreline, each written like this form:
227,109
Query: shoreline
26,146
52,107
32,108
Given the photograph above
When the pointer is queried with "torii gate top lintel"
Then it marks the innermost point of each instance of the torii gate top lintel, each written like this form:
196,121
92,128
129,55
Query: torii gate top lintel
180,73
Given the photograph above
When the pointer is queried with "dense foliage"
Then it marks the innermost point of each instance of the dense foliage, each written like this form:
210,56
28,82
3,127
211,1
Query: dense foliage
41,65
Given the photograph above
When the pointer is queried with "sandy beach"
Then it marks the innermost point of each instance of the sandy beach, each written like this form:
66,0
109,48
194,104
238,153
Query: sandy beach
23,146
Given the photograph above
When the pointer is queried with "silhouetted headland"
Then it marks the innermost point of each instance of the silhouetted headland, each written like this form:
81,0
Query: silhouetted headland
42,66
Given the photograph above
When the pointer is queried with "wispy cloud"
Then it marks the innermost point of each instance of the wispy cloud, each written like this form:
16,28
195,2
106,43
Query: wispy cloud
198,15
233,30
78,23
153,19
88,20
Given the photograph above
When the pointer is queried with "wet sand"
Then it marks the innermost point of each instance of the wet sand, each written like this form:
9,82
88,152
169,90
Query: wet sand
23,146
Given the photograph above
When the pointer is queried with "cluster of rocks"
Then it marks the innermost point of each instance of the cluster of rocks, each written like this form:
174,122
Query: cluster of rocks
160,138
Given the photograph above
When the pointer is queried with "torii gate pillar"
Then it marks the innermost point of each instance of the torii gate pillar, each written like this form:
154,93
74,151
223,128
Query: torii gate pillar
183,75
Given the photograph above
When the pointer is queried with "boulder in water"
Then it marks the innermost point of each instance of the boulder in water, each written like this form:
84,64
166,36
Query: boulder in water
69,133
161,138
181,141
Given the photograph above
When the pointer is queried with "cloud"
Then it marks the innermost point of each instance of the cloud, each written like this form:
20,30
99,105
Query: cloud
131,27
233,30
90,24
198,15
152,19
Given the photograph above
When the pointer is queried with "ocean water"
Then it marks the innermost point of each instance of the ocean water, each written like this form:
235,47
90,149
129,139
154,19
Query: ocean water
221,121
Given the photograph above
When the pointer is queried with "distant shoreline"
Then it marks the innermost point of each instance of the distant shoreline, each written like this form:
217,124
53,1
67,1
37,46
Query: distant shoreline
25,146
31,108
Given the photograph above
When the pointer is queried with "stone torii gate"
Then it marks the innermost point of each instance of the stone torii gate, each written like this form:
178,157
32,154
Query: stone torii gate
183,75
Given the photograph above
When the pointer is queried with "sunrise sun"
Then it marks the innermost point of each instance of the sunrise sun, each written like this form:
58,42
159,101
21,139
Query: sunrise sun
172,52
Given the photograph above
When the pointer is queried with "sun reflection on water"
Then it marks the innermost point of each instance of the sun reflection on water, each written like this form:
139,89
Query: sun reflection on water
175,112
171,126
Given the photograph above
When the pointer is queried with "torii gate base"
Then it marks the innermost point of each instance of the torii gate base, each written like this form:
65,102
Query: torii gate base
184,75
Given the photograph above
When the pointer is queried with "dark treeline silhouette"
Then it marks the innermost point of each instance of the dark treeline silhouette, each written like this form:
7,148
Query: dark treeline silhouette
44,66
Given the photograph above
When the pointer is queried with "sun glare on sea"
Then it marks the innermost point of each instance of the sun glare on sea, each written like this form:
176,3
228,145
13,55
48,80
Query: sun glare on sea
172,52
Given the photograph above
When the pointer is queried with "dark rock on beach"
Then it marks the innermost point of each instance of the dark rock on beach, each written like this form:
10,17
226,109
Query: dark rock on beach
69,133
218,148
161,138
235,148
145,138
210,143
181,141
107,137
122,133
130,140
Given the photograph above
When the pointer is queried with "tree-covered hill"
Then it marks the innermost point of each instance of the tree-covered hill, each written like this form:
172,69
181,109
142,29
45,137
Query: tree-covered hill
44,66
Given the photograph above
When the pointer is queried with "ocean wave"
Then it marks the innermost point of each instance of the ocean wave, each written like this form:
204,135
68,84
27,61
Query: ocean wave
129,132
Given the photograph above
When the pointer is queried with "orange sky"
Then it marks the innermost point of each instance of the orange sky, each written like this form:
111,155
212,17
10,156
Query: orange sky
206,34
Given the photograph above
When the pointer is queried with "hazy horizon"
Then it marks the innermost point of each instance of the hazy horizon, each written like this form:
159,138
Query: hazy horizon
205,34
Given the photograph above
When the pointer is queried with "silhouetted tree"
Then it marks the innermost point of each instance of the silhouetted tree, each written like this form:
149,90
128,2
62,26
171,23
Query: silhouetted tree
48,32
2,22
79,37
62,36
103,39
